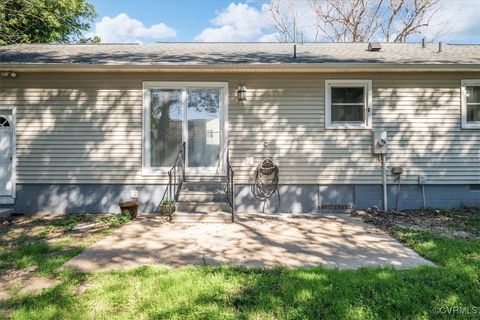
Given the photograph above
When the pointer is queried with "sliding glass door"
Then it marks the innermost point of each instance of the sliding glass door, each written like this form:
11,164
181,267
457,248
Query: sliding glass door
203,127
193,114
166,118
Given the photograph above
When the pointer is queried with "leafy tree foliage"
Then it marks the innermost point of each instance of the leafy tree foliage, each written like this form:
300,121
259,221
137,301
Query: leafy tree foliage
45,21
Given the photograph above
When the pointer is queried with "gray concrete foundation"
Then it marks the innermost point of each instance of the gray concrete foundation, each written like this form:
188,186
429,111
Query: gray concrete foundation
308,198
289,198
410,196
81,198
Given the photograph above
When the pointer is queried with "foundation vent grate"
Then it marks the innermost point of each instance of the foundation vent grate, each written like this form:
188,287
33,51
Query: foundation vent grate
475,187
335,207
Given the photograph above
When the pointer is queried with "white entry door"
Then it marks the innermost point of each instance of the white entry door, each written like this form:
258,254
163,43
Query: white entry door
6,155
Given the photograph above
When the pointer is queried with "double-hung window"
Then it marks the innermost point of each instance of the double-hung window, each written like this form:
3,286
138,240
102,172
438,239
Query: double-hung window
348,104
471,104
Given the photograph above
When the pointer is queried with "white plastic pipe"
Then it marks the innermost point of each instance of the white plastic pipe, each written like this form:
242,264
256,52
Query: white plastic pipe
384,178
423,196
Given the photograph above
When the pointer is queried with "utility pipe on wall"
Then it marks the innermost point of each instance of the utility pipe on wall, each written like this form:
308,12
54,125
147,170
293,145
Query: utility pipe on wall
384,180
380,147
397,174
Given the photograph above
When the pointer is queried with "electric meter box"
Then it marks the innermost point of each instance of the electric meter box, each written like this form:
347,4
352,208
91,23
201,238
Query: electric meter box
379,141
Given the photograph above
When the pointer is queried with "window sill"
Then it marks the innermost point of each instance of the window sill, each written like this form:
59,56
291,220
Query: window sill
347,126
475,125
157,172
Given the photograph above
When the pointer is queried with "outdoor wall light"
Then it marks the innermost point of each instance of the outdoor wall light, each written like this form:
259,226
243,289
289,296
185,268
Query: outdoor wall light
242,93
8,74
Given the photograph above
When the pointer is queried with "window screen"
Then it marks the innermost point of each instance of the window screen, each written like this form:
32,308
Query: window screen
348,104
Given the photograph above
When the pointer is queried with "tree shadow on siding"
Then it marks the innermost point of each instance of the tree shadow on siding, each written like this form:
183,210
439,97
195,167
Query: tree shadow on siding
92,135
74,132
425,137
284,119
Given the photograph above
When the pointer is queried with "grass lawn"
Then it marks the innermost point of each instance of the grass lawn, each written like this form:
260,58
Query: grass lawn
202,292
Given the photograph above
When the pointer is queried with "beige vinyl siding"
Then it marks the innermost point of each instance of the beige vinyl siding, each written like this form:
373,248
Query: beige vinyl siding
87,128
423,121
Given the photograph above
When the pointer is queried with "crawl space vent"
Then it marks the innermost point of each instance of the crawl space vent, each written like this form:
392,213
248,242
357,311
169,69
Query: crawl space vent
335,207
475,187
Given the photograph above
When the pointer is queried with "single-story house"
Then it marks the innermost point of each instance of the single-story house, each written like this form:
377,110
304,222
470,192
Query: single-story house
85,126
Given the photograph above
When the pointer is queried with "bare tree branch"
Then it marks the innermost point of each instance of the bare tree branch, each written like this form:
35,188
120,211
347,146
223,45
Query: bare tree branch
354,20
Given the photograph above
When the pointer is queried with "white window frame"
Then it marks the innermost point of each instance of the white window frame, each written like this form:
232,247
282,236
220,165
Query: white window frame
468,124
367,85
147,169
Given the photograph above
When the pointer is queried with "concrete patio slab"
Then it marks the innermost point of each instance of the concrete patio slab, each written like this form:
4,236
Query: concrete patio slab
338,241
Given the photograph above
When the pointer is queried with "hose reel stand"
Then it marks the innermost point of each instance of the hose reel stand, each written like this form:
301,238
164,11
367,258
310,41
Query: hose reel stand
266,181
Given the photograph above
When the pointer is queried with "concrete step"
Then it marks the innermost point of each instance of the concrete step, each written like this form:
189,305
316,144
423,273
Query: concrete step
200,206
210,186
195,217
204,196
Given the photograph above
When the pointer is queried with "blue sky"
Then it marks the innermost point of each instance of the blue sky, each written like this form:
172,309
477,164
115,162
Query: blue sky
222,20
187,17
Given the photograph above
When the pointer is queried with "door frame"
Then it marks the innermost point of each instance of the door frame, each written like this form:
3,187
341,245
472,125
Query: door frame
147,169
12,111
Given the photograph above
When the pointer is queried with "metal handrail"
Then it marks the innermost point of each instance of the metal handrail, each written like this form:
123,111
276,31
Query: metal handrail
229,188
176,177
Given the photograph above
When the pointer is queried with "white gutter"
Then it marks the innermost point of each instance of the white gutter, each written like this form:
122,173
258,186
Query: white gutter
280,67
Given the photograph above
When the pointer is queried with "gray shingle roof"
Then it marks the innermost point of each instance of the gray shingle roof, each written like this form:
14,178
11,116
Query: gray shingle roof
237,53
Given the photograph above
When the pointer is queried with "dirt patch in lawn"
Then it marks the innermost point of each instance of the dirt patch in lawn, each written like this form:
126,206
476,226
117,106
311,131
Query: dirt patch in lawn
458,223
26,281
33,248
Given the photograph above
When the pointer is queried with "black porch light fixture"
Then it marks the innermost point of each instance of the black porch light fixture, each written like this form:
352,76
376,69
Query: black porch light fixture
242,93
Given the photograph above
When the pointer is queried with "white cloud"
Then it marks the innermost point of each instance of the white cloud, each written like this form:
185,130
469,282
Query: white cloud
270,37
457,22
462,21
122,28
242,22
238,22
299,11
